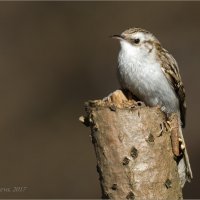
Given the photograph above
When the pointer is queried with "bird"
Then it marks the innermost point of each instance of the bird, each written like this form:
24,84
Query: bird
151,73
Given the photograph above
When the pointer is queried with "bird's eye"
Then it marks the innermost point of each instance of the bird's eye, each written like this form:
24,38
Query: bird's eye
136,41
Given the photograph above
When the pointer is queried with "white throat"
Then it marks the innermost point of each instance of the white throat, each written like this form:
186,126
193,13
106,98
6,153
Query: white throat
137,54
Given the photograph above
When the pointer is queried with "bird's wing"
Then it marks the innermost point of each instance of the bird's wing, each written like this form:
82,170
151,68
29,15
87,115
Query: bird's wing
171,71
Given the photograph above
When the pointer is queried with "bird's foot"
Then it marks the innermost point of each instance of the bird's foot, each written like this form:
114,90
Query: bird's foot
164,126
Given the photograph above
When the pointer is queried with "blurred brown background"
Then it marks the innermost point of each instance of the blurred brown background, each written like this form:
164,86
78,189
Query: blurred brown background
54,56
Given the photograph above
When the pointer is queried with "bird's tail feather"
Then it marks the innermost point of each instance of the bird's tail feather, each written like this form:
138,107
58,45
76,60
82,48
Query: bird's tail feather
184,168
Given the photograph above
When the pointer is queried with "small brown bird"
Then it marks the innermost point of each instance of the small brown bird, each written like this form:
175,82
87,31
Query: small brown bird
149,72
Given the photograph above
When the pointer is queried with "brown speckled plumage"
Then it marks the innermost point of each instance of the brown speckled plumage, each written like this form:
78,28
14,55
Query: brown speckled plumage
134,30
171,71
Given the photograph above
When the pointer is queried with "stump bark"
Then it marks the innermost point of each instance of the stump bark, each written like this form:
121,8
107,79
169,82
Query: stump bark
133,148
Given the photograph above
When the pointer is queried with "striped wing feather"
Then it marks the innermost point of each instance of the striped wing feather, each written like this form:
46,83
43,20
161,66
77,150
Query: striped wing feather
171,71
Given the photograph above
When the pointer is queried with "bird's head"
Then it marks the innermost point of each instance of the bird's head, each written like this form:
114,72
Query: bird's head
137,41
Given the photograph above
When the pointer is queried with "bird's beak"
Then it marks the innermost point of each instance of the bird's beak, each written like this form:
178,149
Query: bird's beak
118,37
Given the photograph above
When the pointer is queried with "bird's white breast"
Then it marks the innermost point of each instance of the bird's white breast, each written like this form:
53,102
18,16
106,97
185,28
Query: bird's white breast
141,73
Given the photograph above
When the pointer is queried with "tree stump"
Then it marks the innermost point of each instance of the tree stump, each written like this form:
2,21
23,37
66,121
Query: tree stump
133,148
